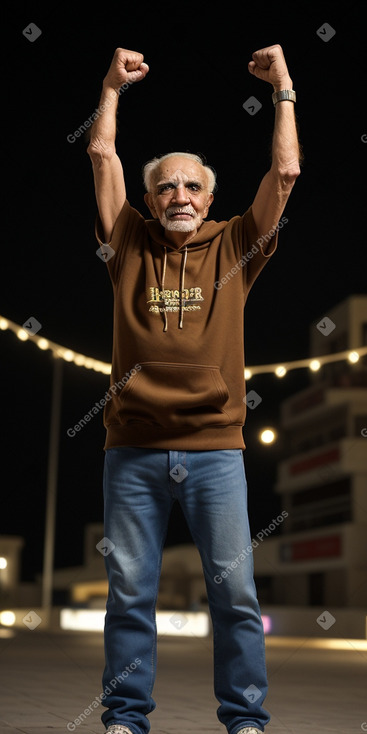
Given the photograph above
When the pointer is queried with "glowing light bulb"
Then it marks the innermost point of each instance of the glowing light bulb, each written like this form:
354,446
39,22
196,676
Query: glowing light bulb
79,359
315,365
68,355
22,335
280,371
267,436
7,618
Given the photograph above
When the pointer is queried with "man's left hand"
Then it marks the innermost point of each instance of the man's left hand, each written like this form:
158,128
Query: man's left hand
269,64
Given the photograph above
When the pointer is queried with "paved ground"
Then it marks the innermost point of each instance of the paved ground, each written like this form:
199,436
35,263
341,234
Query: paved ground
48,679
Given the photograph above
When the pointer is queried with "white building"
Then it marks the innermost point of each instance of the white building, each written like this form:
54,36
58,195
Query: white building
182,584
320,558
10,566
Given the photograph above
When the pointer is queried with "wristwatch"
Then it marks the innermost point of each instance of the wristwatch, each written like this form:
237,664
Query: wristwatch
284,94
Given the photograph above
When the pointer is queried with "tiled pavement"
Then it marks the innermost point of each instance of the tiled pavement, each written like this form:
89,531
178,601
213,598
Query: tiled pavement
48,679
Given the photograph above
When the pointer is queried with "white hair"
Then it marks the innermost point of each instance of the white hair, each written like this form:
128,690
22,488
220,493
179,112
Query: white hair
151,167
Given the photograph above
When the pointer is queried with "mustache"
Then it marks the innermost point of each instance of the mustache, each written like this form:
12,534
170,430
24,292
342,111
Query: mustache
180,210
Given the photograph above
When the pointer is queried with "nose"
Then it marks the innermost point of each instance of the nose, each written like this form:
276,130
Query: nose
180,195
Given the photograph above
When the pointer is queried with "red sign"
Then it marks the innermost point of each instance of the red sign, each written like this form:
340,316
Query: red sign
329,546
312,462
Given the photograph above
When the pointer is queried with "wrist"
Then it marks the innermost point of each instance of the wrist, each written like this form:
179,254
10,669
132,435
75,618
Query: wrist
285,83
284,95
109,92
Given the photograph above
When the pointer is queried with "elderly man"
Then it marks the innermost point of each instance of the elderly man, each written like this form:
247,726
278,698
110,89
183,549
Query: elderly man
176,406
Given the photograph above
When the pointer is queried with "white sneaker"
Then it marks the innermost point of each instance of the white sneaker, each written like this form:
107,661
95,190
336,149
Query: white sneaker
119,729
249,730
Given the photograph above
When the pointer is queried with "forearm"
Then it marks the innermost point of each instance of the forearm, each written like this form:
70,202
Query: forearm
110,192
126,67
107,169
103,131
277,184
286,154
272,195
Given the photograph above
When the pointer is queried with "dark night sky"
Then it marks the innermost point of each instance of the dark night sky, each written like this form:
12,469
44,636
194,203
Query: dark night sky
191,100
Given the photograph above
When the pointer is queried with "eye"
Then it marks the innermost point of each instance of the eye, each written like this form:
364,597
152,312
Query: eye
165,187
194,187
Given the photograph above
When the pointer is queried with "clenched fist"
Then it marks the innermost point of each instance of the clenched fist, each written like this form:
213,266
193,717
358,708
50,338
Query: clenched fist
126,66
269,64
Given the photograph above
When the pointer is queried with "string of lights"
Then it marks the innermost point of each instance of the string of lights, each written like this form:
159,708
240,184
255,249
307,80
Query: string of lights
27,332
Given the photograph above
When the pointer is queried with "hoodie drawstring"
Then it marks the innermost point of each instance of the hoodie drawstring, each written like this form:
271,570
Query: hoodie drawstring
182,285
164,299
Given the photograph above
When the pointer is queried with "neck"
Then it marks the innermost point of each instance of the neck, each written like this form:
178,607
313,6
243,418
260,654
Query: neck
179,238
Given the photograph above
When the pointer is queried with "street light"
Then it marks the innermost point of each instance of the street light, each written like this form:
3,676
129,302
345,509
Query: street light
53,461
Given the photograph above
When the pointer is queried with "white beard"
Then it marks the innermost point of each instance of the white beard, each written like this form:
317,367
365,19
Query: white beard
180,225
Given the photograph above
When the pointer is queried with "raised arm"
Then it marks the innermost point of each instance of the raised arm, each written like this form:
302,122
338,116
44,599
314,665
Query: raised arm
126,67
274,190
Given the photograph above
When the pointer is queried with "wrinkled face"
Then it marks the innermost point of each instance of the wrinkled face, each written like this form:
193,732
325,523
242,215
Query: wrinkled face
180,197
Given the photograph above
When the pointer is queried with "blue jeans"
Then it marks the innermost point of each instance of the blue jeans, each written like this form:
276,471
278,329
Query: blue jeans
140,487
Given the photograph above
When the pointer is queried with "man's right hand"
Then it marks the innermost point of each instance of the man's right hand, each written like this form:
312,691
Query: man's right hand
126,67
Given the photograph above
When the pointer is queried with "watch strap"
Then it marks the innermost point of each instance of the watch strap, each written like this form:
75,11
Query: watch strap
284,94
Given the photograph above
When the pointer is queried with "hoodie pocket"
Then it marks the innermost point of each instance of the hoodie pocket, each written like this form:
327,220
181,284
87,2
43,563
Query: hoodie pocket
172,395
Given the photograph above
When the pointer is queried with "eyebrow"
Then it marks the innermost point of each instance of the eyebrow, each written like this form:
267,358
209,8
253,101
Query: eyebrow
174,183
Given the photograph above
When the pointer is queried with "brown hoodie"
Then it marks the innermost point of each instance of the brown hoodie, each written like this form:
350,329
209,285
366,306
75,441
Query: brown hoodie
177,379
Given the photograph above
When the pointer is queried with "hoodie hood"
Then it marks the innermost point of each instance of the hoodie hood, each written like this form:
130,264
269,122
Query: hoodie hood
205,234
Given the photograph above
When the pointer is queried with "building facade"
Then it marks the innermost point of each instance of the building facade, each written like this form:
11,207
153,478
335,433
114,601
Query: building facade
320,558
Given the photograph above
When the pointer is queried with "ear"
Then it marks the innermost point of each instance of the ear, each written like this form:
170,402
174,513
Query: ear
208,203
148,198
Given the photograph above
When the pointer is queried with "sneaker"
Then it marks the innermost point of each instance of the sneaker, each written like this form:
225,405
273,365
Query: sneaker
119,729
250,730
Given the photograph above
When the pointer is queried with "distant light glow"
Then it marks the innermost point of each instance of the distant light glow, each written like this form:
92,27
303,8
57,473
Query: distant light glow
68,355
267,436
182,624
315,365
267,625
280,371
7,618
81,360
22,335
353,357
317,643
3,562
